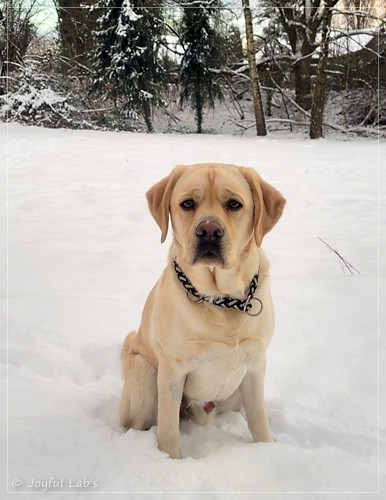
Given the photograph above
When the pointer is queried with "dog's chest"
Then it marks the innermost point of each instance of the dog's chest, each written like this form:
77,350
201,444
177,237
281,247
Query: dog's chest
219,367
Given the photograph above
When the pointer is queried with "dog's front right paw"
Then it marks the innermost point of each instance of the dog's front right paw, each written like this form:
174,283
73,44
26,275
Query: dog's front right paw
173,453
169,446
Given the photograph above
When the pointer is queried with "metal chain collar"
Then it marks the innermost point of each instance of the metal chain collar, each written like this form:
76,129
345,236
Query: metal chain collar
242,305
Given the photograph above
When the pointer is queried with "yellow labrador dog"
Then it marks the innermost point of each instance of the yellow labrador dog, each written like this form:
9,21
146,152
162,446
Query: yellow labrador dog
207,323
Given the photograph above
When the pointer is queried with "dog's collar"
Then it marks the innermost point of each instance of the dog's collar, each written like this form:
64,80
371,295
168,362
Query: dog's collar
241,305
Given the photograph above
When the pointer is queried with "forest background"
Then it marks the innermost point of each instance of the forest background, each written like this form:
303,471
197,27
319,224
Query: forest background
205,66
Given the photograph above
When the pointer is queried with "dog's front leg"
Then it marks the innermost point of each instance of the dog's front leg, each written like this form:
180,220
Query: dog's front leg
252,393
171,383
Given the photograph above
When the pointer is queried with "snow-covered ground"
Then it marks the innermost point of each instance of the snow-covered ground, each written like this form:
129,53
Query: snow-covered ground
83,254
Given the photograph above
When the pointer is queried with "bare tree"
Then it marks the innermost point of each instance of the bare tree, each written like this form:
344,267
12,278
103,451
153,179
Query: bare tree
255,85
76,22
17,31
319,93
301,21
355,13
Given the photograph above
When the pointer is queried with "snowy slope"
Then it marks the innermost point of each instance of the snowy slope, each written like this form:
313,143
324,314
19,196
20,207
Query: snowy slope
83,255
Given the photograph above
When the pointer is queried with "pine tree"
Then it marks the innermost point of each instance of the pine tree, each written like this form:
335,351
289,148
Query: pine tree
127,65
198,83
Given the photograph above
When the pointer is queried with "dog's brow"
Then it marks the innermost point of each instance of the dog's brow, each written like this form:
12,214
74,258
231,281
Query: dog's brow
195,193
212,175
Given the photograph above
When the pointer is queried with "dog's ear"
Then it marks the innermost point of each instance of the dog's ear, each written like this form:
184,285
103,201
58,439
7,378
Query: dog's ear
158,199
268,202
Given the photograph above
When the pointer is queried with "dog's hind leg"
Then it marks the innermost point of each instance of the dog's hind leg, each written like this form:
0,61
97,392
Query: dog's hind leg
138,406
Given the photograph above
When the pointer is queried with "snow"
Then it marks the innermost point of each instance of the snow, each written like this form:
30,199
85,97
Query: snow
83,254
127,14
35,98
127,11
172,48
341,45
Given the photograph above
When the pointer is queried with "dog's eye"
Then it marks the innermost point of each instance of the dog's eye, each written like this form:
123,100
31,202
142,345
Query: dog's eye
233,205
188,204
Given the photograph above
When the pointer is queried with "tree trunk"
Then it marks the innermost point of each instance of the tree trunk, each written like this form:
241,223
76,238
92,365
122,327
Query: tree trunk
255,86
302,71
319,94
147,116
199,105
199,119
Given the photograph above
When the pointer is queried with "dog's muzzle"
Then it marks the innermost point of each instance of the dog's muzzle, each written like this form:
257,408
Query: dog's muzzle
209,242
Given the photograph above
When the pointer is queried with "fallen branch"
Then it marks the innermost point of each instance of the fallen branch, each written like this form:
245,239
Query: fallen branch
286,120
343,262
172,116
240,125
100,110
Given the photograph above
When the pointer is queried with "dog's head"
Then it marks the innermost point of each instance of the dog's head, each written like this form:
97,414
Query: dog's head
217,211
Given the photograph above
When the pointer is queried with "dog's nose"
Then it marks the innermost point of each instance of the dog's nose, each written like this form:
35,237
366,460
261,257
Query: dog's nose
209,230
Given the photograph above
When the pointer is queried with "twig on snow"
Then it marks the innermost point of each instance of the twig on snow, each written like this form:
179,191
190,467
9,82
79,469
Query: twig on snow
343,262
